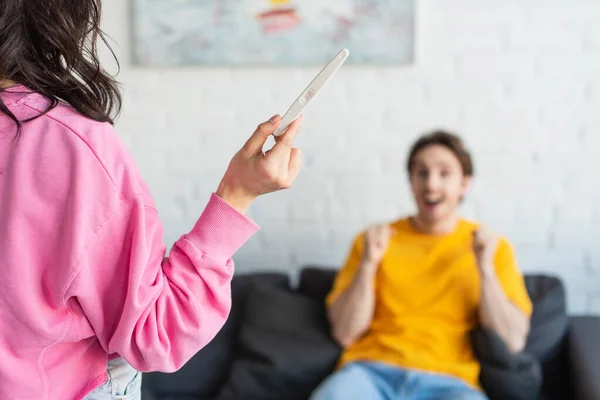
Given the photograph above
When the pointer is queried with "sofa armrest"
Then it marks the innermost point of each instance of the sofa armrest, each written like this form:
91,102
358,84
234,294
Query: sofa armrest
584,356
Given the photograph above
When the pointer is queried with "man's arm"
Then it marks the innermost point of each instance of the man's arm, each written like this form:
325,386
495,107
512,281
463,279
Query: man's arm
351,313
499,313
504,304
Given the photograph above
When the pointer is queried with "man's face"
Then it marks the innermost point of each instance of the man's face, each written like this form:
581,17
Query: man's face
438,183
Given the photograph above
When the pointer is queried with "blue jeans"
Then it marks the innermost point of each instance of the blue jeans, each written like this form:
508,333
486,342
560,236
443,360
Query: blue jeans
124,383
377,381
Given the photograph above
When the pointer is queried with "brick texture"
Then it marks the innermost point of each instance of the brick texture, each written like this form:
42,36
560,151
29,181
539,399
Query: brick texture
519,80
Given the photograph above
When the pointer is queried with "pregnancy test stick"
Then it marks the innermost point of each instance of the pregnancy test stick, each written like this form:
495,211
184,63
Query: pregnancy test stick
311,91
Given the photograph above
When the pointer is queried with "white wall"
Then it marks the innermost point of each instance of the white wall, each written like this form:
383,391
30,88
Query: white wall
520,80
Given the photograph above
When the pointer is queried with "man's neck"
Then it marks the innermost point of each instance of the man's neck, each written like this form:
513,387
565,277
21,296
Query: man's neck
441,227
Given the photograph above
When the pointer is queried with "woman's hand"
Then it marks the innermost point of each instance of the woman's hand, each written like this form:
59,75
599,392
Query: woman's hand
252,173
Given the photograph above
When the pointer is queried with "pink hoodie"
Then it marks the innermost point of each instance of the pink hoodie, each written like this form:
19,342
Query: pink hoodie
83,272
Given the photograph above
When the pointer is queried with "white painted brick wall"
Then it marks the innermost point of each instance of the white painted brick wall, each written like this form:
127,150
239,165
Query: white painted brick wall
520,80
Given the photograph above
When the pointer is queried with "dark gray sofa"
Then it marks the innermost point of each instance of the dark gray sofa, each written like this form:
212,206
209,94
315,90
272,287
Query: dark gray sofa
276,344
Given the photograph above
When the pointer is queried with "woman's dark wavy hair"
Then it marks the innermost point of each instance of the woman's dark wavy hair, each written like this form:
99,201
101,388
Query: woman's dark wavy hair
50,47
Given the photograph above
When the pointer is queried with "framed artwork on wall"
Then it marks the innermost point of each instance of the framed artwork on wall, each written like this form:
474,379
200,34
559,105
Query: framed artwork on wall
172,33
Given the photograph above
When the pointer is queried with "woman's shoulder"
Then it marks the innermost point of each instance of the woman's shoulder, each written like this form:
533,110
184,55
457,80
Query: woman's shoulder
85,144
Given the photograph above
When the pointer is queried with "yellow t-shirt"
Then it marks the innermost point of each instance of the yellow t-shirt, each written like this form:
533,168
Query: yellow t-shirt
427,291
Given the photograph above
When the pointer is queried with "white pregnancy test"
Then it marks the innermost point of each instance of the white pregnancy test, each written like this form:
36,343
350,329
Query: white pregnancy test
312,90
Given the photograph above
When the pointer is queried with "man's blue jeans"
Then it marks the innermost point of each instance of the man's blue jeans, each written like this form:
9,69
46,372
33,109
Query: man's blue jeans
377,381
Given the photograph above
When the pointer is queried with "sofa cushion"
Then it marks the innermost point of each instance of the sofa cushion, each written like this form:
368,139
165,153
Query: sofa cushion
204,374
549,320
316,282
505,375
284,348
549,324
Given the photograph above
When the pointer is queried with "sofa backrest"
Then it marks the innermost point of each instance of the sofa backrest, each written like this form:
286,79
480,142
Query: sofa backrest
203,376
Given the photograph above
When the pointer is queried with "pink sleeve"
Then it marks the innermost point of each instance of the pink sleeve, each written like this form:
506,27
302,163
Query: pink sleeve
157,311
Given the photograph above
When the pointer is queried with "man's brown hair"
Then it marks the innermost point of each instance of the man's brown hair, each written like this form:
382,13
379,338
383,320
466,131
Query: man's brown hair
450,141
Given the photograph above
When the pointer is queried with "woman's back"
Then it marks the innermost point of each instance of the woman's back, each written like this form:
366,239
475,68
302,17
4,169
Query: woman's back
83,278
46,212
